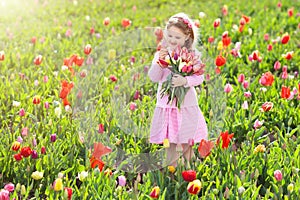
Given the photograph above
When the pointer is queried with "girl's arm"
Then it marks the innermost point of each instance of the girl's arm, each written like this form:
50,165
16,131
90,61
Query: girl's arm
155,72
194,80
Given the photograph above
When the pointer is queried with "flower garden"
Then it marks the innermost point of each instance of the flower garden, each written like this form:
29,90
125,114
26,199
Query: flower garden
76,102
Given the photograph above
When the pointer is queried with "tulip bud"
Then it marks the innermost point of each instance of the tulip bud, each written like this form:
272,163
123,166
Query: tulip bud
53,137
194,187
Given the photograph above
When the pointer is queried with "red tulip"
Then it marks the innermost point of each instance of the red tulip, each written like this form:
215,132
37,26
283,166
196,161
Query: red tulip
189,175
68,192
96,162
285,38
267,79
92,31
87,49
126,23
226,138
288,55
33,40
285,92
247,19
154,192
36,100
38,60
242,21
220,61
113,78
211,39
26,151
2,55
18,157
79,61
163,63
205,148
101,128
290,12
217,22
194,187
255,55
267,106
226,41
66,88
43,150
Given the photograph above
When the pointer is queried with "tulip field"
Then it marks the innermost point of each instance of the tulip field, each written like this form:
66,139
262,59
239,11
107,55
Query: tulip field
76,100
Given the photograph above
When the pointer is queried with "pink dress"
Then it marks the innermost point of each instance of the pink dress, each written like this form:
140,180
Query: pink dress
179,126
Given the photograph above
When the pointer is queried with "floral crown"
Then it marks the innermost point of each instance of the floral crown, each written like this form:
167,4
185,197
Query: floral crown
177,19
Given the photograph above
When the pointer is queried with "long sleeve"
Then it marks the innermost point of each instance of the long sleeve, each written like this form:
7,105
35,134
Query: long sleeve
155,72
194,80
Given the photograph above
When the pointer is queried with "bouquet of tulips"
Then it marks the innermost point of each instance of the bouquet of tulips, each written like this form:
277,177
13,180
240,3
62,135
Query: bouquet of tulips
182,62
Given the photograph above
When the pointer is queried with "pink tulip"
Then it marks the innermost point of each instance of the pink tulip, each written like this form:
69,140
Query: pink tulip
22,112
257,124
191,142
284,75
45,79
9,187
266,37
4,195
270,47
136,95
20,139
247,94
245,105
278,175
277,65
46,104
241,78
24,131
132,106
228,88
245,84
68,33
284,68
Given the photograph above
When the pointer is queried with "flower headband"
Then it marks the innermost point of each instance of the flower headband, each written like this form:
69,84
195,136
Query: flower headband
177,19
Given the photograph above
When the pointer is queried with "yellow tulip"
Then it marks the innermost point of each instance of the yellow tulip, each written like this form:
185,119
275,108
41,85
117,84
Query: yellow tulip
37,175
58,184
171,169
166,143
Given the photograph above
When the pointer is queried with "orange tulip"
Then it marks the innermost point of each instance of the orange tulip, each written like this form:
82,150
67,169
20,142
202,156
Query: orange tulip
126,23
226,138
194,187
205,148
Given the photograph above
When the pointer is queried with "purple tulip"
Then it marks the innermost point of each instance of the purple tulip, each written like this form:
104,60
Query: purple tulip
122,180
175,56
53,137
20,139
34,154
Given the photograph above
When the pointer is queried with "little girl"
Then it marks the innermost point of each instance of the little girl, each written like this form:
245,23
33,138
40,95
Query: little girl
181,128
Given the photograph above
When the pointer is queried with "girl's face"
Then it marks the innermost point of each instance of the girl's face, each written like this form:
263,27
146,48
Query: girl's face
175,37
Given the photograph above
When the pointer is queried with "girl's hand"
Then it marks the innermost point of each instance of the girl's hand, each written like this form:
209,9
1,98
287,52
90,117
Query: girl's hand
163,53
178,80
